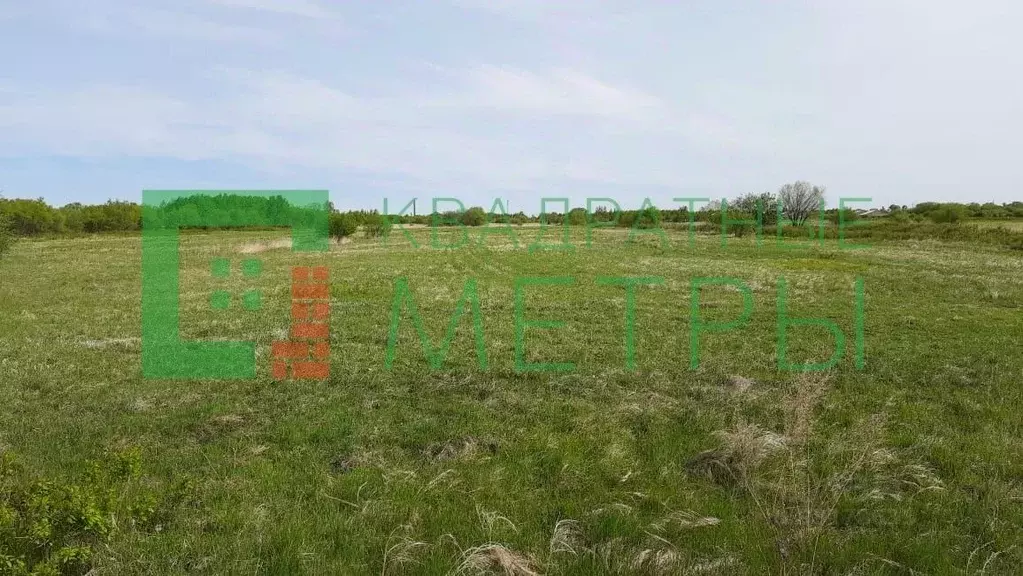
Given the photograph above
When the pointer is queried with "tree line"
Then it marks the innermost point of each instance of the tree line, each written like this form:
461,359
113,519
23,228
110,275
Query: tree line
799,202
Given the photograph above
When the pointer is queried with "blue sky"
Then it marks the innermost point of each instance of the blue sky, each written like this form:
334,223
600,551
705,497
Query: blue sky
898,100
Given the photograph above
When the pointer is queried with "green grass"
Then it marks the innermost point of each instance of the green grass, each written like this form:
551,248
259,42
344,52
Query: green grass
913,463
1015,225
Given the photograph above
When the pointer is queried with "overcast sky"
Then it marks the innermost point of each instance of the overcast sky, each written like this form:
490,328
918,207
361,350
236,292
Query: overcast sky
899,100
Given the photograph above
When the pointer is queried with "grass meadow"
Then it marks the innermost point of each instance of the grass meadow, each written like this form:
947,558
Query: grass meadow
1015,225
912,464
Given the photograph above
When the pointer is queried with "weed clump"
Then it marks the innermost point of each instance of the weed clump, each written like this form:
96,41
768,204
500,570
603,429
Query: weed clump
49,527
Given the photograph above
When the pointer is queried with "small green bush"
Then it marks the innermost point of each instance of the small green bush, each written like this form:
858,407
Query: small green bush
342,225
576,217
51,527
375,225
741,229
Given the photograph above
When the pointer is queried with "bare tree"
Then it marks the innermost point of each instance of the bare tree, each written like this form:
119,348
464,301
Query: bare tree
799,200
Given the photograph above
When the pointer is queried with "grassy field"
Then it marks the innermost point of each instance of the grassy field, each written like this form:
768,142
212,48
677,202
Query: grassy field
912,464
1016,225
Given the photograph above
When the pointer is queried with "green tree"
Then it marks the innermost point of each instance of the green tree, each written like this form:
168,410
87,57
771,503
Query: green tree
949,214
577,217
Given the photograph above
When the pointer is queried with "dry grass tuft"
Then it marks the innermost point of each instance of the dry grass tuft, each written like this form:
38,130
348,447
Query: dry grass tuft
464,447
403,552
495,558
567,538
658,561
798,479
685,519
491,520
742,450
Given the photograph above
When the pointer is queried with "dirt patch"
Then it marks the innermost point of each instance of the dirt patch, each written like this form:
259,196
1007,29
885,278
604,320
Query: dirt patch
740,384
257,247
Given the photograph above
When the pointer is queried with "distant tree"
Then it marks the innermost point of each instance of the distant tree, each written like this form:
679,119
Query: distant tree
474,216
948,214
799,200
925,208
577,217
646,218
6,235
752,203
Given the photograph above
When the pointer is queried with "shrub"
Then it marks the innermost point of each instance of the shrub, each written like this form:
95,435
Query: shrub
848,215
576,217
375,225
764,206
474,216
51,527
6,235
948,214
649,217
741,229
342,225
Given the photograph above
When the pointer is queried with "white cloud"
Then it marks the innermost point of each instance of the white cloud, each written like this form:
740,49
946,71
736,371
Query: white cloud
557,92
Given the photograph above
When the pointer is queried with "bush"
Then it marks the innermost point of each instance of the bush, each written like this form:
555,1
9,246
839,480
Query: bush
649,217
6,235
577,217
741,229
51,527
375,225
30,217
474,216
342,225
763,206
948,214
848,216
900,216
